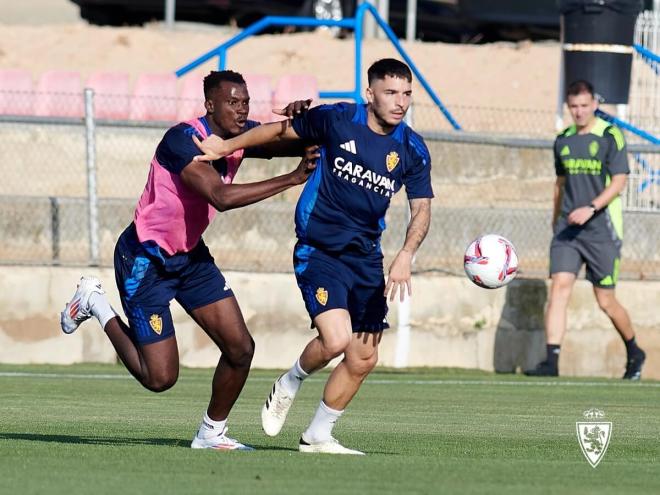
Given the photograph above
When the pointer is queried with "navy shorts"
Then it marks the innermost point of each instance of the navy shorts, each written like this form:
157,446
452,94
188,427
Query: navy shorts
148,279
352,281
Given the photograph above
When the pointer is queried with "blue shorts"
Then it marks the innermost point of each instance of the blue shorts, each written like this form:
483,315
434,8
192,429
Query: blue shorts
352,281
148,279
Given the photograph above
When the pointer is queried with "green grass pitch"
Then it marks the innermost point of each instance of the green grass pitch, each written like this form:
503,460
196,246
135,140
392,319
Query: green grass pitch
92,429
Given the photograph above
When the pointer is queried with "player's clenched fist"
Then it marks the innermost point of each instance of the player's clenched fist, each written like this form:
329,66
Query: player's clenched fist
307,164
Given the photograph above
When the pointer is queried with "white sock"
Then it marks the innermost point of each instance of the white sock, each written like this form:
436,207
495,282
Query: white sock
210,427
292,379
101,309
320,429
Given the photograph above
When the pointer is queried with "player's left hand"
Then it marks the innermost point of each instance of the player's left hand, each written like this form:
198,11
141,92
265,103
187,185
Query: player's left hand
212,147
580,216
294,108
399,276
307,164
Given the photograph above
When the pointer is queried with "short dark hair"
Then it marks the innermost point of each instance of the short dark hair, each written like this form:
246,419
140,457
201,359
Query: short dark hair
388,67
217,77
580,86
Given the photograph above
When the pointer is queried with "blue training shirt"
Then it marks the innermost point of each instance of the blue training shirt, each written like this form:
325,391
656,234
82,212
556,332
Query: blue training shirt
344,202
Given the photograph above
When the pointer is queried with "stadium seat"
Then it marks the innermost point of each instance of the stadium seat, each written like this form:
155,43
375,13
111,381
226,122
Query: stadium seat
111,94
191,97
295,87
260,97
154,97
16,96
59,94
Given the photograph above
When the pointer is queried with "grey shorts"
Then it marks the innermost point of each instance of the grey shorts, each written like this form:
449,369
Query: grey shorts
569,251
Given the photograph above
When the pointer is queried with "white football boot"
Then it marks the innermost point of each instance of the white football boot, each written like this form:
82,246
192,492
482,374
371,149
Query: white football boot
218,442
77,309
331,446
277,406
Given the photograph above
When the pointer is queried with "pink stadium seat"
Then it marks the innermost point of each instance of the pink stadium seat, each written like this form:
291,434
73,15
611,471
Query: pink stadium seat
260,97
111,94
16,96
191,97
295,87
154,98
59,94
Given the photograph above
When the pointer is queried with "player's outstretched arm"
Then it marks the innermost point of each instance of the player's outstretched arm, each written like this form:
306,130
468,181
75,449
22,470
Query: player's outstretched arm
214,147
399,277
202,178
289,147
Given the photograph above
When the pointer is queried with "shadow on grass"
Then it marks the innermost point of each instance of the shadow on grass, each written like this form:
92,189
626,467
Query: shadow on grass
266,448
89,440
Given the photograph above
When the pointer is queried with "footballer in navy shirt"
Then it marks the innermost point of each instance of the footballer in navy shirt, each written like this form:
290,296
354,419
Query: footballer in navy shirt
367,153
162,256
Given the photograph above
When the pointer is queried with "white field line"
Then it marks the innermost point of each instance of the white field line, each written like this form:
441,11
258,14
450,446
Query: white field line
374,381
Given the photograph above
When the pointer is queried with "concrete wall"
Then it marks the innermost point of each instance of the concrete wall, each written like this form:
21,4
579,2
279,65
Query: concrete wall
454,323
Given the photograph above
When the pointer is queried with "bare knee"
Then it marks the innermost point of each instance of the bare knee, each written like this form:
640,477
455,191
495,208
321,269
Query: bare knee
240,355
362,367
561,288
160,382
607,303
335,346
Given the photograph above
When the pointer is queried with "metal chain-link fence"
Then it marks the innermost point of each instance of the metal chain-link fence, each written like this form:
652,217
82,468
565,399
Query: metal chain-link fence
483,183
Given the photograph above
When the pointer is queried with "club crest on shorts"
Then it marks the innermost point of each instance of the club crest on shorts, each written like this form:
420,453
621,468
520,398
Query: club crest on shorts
322,296
594,436
156,324
392,160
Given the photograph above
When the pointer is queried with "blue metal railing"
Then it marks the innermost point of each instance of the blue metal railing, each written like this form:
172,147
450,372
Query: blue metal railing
649,57
355,23
627,126
652,175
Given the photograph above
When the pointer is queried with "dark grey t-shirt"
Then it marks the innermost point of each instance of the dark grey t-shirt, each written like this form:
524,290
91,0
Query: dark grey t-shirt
588,161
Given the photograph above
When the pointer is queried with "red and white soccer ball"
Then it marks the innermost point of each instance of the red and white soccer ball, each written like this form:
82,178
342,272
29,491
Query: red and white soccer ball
491,261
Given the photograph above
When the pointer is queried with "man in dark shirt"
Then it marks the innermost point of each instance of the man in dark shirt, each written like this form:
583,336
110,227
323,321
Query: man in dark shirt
591,166
367,154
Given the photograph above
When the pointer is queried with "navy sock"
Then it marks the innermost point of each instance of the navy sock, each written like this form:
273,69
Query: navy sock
631,347
552,351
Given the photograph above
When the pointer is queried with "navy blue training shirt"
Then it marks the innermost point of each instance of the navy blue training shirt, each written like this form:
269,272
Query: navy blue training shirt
177,149
344,202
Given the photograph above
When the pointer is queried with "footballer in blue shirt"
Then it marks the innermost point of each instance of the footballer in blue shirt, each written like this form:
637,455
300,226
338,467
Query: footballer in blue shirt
367,153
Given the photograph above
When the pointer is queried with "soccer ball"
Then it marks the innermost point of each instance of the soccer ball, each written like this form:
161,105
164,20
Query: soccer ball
491,261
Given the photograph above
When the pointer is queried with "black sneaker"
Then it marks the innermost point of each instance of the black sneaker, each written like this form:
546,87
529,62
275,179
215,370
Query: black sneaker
544,368
634,366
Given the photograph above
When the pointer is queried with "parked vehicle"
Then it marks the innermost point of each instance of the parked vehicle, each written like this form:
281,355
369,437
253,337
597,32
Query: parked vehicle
243,12
437,20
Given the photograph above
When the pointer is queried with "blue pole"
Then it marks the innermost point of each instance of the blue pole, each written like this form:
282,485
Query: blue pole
359,26
222,59
649,57
356,24
256,28
629,127
339,95
198,61
390,34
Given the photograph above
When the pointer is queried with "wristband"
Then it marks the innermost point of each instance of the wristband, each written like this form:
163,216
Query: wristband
593,208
